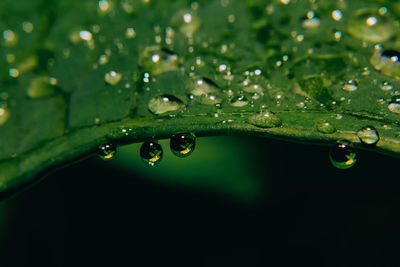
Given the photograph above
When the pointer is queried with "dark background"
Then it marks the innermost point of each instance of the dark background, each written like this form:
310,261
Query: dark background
308,214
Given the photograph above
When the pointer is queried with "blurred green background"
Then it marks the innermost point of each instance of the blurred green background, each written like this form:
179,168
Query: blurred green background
234,202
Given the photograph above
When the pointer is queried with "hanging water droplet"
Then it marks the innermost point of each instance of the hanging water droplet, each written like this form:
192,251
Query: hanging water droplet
368,135
371,26
204,91
350,86
4,113
151,153
183,144
107,151
265,119
162,104
386,86
157,60
112,77
342,155
394,104
326,128
239,101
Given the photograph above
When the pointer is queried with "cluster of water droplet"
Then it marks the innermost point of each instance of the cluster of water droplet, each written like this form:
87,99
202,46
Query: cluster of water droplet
151,152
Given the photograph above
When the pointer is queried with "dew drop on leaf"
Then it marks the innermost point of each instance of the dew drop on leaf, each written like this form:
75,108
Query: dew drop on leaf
326,128
112,77
156,60
394,104
4,114
370,25
162,104
41,87
183,144
107,151
386,86
350,86
368,135
387,62
239,101
204,91
342,155
265,119
151,153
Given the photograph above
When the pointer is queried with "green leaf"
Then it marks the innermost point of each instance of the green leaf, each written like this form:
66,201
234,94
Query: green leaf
77,74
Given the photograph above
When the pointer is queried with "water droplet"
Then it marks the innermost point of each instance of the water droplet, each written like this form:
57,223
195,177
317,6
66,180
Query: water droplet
27,27
13,72
386,86
162,104
394,104
311,21
350,86
342,155
10,38
85,35
157,61
183,144
187,22
239,101
151,153
368,135
104,6
128,6
107,151
4,113
371,26
204,91
326,128
387,62
130,33
41,87
337,15
265,119
112,77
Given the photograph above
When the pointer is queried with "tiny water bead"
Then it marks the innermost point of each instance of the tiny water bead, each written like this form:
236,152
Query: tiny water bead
162,104
326,128
107,151
265,119
370,25
350,86
368,135
112,77
387,62
342,155
182,144
151,153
